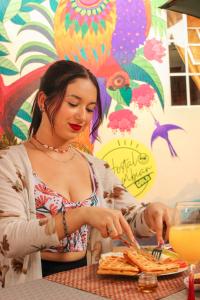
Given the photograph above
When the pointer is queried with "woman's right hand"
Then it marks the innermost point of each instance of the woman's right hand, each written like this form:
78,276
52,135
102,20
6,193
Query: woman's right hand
110,222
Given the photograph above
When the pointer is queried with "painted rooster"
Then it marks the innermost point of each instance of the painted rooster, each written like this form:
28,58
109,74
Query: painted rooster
102,35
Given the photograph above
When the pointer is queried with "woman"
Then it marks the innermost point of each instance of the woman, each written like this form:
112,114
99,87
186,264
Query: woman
57,204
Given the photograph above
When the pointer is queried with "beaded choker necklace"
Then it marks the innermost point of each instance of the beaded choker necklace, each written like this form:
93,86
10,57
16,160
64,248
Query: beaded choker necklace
51,148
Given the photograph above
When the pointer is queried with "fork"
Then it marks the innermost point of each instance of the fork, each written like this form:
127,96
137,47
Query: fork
157,251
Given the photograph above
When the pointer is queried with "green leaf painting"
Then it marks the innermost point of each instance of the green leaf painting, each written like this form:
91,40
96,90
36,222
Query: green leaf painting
25,4
24,115
20,129
142,70
7,67
116,95
19,19
3,34
35,59
53,4
9,9
43,29
126,93
3,50
40,47
43,11
157,22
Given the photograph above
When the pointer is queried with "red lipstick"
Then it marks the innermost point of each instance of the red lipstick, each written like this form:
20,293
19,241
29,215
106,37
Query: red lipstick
75,127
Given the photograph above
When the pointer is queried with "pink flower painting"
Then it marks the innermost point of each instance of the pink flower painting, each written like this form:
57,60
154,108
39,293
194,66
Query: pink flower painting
153,50
122,120
143,95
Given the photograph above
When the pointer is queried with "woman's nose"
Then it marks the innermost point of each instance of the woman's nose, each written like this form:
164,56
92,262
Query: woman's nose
81,114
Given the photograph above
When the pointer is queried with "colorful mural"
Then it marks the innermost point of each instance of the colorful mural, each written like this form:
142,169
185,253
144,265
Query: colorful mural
108,36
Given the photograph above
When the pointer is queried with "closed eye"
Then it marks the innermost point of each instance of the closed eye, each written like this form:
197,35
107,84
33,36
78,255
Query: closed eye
72,104
90,110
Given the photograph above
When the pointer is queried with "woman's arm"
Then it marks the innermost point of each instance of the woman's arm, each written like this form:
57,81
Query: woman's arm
19,233
109,222
145,219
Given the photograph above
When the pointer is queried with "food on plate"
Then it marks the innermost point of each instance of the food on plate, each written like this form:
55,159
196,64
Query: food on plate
180,262
147,263
116,266
131,262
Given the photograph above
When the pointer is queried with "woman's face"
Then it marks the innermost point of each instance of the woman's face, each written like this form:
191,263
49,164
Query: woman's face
77,109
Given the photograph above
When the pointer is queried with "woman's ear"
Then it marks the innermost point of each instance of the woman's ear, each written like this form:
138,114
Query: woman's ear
41,99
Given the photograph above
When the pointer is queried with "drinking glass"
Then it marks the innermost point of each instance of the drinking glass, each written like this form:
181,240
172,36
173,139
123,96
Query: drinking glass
184,237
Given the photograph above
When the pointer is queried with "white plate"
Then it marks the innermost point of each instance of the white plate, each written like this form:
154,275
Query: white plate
165,254
180,270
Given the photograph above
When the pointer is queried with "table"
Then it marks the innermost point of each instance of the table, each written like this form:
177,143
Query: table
43,289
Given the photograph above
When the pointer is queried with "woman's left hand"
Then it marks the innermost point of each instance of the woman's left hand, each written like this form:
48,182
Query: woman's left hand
157,215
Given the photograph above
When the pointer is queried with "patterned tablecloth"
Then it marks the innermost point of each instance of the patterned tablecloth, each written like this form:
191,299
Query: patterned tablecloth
116,287
45,289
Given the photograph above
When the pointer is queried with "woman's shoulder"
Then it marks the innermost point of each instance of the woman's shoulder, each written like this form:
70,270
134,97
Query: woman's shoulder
14,159
14,153
12,150
95,160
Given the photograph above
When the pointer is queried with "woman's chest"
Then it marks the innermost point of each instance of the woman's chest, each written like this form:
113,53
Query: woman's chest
74,181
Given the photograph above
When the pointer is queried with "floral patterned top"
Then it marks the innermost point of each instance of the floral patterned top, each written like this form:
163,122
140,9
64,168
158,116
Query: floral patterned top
50,202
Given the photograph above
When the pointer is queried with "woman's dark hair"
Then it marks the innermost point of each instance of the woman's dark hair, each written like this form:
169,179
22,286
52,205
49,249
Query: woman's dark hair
54,84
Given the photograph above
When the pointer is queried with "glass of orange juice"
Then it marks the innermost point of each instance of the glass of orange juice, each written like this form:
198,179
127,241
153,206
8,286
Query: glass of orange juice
184,236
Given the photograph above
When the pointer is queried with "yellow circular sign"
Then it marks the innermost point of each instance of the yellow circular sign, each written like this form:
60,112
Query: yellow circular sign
132,162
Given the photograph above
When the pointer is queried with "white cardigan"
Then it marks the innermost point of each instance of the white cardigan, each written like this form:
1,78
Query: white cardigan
22,236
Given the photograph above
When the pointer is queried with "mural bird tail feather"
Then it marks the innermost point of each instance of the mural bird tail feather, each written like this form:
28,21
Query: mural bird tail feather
162,131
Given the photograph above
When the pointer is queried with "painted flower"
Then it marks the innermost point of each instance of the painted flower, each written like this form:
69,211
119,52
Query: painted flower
118,80
124,120
153,50
143,95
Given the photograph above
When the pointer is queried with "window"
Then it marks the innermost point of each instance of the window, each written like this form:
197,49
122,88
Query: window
183,34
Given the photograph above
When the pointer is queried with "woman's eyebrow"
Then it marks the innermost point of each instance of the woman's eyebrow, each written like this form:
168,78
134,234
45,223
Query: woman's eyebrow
75,96
79,98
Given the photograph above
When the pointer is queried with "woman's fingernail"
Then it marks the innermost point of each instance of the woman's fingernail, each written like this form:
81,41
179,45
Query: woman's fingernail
161,242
